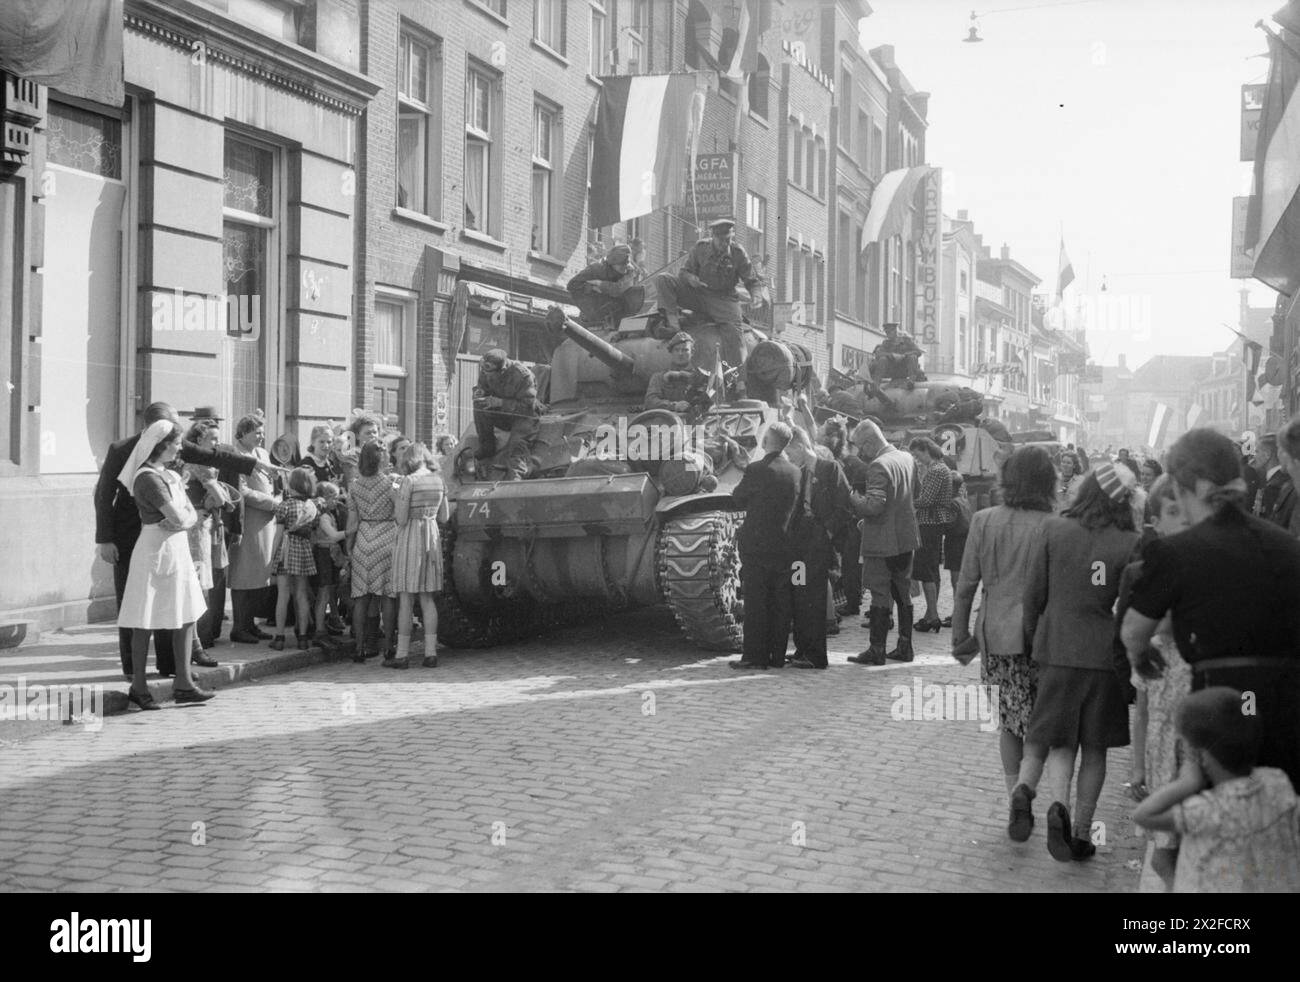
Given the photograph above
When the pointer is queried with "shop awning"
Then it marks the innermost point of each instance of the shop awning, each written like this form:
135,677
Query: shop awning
890,202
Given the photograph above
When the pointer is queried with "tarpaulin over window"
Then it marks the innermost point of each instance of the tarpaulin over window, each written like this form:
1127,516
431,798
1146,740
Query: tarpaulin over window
74,46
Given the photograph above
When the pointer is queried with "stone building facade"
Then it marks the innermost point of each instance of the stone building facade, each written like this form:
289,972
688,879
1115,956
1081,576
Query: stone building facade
193,245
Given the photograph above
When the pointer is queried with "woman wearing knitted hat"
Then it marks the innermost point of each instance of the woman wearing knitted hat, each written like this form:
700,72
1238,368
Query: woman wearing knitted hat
1230,584
1070,593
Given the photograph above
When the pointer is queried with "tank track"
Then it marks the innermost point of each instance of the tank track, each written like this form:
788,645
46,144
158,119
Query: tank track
699,576
460,626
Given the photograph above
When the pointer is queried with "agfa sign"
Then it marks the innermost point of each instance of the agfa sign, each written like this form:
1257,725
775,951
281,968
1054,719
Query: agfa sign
715,186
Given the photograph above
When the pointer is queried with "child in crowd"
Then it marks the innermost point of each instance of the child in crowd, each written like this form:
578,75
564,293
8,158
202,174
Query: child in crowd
326,539
295,564
1155,738
1239,824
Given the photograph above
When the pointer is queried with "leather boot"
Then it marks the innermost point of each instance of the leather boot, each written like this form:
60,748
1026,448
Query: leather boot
878,618
904,650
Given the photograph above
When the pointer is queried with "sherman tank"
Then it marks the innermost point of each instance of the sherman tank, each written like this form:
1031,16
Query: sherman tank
621,507
950,415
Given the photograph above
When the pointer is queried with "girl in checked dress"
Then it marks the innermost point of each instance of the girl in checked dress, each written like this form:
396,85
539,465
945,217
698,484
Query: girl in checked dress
294,563
417,557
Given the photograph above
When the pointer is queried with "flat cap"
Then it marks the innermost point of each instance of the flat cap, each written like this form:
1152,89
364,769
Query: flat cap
681,337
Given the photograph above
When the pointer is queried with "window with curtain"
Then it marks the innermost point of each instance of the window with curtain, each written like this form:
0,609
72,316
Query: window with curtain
478,151
544,127
419,126
389,334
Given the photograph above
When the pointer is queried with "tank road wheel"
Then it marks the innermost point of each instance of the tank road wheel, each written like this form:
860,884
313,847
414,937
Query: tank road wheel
458,626
462,627
699,577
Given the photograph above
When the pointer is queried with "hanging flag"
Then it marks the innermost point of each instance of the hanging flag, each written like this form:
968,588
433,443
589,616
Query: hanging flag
74,46
1273,220
1193,414
1159,425
643,126
738,49
1065,272
891,204
1250,354
716,383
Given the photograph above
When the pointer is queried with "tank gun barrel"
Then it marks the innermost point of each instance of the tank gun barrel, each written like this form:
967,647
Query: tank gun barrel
619,362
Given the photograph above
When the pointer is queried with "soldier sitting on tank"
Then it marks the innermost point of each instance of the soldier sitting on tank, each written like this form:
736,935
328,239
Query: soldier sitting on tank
707,285
898,356
606,291
681,387
505,398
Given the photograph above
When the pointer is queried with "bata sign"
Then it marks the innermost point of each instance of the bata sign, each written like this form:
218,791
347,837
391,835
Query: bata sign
929,247
715,186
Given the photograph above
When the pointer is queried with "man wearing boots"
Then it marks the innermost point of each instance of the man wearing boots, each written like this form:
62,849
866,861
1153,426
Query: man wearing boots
769,493
889,537
707,284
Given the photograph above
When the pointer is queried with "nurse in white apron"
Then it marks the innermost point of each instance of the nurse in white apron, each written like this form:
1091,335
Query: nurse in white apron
162,589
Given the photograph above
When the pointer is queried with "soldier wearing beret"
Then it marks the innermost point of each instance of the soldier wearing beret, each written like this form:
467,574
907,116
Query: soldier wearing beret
707,285
672,389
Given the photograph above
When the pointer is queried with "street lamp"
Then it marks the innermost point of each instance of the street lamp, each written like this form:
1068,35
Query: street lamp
974,36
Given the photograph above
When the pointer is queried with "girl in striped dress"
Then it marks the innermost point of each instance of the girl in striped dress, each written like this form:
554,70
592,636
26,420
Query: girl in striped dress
417,555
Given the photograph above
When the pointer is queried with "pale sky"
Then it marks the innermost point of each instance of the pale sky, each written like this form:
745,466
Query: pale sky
1119,119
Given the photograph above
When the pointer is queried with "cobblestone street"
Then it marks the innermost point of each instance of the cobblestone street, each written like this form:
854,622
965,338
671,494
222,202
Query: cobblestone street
613,757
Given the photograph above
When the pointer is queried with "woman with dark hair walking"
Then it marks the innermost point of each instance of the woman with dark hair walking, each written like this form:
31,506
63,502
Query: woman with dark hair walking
934,513
1229,584
1070,590
997,556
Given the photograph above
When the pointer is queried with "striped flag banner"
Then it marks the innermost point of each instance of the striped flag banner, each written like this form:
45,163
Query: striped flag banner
1273,217
1193,414
891,204
1065,272
1159,426
643,128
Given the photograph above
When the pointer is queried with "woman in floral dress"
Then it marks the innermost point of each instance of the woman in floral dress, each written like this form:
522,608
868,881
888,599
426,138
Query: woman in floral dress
417,558
371,535
997,555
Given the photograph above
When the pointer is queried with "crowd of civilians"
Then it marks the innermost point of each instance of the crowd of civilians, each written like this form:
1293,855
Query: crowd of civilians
348,529
1170,588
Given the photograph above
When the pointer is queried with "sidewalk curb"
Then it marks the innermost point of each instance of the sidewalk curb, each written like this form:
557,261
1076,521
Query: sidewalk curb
222,676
